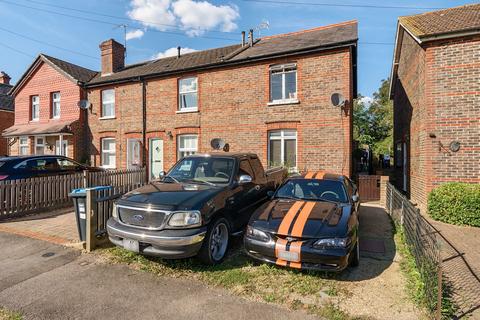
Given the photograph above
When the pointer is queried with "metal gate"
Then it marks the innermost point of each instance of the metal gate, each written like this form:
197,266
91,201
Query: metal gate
369,188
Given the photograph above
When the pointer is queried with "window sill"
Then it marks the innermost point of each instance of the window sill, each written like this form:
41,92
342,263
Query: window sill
108,167
34,120
283,102
106,118
187,111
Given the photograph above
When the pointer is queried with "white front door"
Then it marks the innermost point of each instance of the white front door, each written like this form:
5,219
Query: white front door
133,154
156,157
63,151
404,166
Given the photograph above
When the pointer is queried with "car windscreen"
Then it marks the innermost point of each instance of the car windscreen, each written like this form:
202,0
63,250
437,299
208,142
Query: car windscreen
313,189
203,169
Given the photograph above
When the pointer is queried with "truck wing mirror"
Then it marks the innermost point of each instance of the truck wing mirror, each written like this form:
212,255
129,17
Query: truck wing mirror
270,194
162,174
244,178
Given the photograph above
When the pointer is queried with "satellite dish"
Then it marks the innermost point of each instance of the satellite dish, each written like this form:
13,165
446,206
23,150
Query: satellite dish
84,104
217,143
338,100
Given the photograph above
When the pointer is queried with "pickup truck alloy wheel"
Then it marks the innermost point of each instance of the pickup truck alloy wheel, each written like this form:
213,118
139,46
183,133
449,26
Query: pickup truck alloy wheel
219,241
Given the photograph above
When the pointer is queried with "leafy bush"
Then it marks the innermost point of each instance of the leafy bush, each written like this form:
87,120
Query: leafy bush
456,203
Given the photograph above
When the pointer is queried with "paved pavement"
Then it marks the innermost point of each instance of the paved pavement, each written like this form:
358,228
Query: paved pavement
55,226
48,281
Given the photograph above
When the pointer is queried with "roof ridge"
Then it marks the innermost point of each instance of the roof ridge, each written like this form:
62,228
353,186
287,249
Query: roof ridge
310,30
440,10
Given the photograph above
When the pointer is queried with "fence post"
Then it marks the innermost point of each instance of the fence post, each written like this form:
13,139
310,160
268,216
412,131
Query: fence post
85,178
391,199
401,214
91,220
438,315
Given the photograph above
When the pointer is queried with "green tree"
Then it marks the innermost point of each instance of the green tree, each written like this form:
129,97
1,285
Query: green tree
373,124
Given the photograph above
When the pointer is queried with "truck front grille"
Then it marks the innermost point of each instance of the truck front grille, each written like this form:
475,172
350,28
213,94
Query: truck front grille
149,219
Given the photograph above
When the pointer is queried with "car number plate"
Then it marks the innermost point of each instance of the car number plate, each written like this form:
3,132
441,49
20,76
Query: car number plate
288,256
131,245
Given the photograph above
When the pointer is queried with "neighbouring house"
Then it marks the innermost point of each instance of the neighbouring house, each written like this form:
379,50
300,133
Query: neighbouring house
7,109
271,96
48,119
435,89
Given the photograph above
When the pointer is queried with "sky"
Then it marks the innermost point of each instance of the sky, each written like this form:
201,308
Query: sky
72,30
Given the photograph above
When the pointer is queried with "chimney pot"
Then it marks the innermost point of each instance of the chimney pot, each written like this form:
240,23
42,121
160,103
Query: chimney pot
250,37
178,51
243,38
113,56
4,78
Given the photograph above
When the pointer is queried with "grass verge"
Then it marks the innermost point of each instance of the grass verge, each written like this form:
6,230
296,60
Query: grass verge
416,281
6,314
310,291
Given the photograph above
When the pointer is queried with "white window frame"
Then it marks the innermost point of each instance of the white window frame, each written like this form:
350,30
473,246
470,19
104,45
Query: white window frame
37,145
109,152
282,68
189,150
56,105
23,145
112,101
180,93
282,139
35,106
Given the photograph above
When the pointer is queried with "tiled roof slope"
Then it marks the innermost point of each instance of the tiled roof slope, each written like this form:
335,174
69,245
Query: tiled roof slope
6,101
345,32
452,20
76,72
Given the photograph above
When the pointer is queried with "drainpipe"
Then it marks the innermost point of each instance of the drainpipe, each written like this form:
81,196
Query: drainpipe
144,126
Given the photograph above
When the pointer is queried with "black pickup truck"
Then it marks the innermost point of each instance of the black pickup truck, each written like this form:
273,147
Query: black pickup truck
193,210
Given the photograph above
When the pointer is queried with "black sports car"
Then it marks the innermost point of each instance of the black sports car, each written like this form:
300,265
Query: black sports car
310,222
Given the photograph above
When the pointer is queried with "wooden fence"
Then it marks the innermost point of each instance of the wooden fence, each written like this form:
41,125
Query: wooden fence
424,244
27,196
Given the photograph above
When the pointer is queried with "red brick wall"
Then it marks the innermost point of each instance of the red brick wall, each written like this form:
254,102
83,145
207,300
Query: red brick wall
43,82
438,93
6,120
233,105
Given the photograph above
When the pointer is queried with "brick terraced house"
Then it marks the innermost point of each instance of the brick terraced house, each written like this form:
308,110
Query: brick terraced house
271,96
436,96
7,109
47,117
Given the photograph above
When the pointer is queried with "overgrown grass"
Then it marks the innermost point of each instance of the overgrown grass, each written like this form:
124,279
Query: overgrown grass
9,315
311,291
416,281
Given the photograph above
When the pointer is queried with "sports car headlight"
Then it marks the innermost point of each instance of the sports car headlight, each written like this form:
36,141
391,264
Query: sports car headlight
257,234
331,243
114,211
185,219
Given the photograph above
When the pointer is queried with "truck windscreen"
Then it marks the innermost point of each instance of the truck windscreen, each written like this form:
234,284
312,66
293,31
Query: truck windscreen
203,169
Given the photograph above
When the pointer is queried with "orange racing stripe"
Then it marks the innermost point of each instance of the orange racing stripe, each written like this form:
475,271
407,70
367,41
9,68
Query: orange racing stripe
320,175
281,244
297,230
309,175
287,220
296,246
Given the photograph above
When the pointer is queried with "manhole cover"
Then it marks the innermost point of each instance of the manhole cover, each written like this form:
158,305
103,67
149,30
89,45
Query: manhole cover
48,254
372,245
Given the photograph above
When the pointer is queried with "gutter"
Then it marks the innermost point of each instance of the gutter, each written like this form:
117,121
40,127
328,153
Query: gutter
229,63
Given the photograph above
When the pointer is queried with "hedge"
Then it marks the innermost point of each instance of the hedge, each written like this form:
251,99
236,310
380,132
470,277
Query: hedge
456,203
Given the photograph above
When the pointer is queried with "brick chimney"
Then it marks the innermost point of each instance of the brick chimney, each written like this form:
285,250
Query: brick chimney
113,56
4,78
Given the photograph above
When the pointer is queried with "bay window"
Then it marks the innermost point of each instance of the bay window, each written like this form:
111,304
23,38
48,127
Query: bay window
23,147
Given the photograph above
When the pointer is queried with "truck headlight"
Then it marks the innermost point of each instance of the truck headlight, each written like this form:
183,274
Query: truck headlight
114,211
257,234
332,243
185,219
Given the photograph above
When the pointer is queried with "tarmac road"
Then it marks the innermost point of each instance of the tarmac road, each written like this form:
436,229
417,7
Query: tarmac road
46,281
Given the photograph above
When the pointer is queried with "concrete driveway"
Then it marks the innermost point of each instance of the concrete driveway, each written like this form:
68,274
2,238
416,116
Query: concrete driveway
47,281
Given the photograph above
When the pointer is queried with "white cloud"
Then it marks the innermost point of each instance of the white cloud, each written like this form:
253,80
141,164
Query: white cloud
199,16
153,13
135,34
367,101
172,52
195,17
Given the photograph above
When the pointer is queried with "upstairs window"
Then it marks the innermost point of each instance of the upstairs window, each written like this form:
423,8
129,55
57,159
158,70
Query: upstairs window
56,105
108,103
187,145
187,94
283,83
35,108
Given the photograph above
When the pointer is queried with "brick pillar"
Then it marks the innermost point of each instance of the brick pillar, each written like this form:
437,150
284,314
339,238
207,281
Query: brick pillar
383,190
